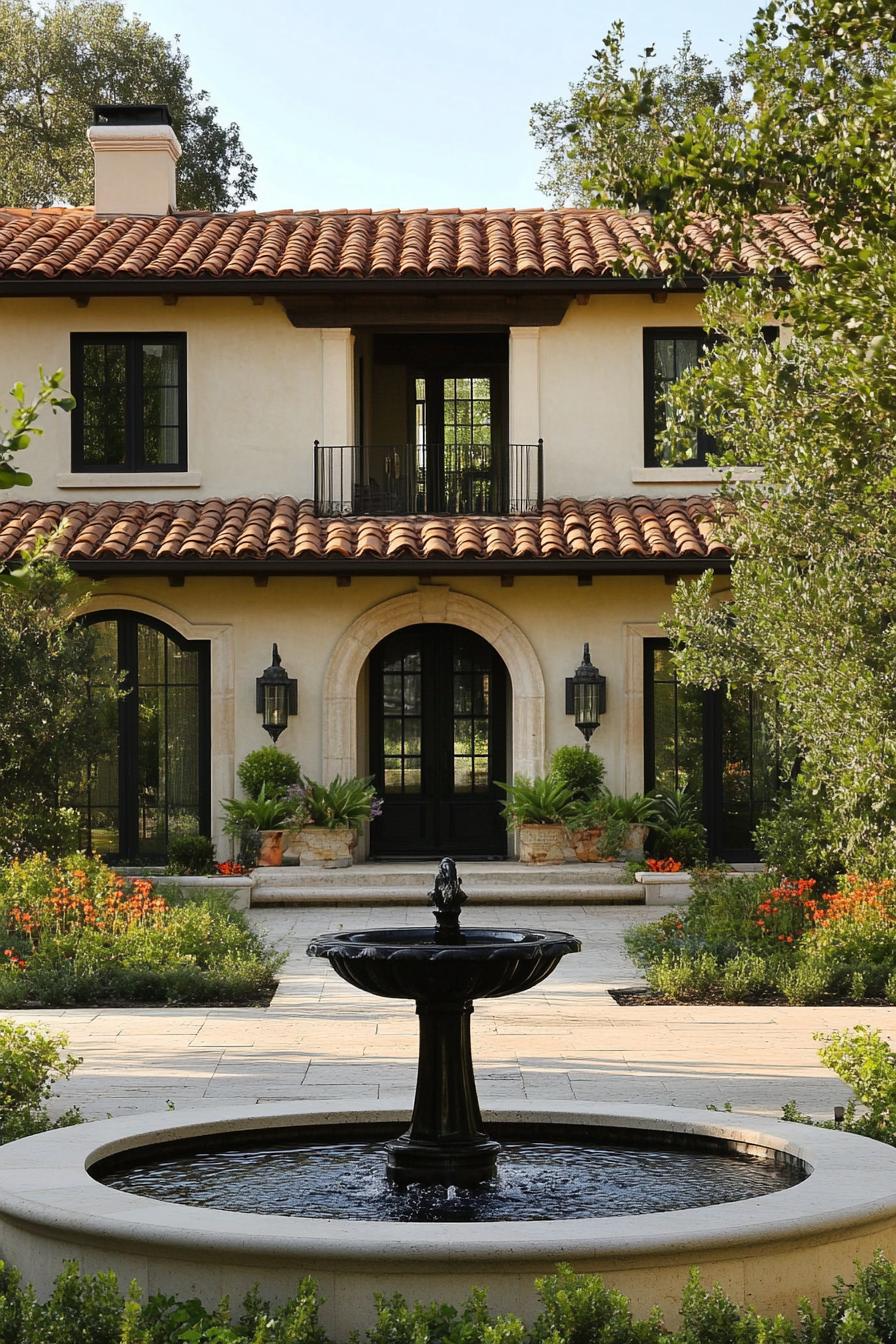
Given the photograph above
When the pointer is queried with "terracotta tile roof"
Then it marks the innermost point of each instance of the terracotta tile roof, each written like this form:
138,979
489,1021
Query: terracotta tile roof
286,530
64,243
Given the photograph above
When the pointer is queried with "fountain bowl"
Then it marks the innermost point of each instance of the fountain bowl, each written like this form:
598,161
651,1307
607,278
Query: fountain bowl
765,1251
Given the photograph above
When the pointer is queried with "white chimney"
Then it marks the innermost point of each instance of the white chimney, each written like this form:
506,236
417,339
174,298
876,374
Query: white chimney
135,153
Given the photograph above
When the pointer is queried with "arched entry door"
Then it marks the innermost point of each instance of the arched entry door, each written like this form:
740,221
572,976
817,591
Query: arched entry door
438,743
149,777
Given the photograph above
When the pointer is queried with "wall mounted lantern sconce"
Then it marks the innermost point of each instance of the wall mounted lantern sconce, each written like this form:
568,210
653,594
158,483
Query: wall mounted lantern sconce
276,696
586,696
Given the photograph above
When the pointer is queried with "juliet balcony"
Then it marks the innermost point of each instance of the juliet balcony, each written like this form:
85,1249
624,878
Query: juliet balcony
413,478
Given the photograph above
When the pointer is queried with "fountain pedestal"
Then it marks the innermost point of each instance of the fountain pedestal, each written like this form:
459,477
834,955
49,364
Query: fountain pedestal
444,970
445,1143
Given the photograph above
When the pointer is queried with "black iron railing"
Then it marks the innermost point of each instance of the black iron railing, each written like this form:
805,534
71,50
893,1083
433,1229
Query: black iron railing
408,478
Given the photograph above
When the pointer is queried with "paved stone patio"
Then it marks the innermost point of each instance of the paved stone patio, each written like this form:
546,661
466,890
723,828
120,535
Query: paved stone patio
320,1039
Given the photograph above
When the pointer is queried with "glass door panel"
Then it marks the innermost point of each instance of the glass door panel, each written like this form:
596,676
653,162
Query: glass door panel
150,779
437,743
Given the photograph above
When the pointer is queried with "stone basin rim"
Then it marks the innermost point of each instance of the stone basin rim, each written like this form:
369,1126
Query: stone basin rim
419,944
45,1185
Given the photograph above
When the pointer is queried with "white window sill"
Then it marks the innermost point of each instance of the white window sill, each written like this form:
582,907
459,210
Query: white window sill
128,480
693,475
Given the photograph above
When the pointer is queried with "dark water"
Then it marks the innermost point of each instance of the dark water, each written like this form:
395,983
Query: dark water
536,1181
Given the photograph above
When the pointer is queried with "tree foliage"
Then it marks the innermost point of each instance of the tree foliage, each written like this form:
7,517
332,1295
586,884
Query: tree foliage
58,61
49,725
23,423
811,607
592,137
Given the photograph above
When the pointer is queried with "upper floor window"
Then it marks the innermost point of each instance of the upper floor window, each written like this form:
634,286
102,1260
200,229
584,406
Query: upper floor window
131,402
668,352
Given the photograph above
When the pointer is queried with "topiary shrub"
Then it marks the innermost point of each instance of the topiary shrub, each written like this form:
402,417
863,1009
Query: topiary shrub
581,771
191,856
270,769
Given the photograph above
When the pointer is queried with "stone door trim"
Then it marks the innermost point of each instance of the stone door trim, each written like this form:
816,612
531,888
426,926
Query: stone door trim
442,605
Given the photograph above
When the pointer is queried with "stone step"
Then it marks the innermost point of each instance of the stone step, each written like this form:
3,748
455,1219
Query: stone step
419,877
539,893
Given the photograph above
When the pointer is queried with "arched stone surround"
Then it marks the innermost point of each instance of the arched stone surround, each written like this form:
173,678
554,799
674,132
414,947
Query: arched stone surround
220,639
440,605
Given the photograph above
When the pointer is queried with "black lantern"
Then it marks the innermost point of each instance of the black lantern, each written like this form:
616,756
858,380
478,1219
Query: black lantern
586,696
276,697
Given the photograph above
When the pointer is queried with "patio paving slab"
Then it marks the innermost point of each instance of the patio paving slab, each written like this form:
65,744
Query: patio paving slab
322,1040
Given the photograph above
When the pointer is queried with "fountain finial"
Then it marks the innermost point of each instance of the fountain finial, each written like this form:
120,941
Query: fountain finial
448,896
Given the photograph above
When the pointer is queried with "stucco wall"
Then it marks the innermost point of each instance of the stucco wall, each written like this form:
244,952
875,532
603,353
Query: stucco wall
308,617
260,391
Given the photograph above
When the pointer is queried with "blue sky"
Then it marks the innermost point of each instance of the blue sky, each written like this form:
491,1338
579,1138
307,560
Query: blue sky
402,102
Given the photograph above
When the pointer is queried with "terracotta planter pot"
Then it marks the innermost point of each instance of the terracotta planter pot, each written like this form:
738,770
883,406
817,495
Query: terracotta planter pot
634,841
271,853
326,847
588,844
543,844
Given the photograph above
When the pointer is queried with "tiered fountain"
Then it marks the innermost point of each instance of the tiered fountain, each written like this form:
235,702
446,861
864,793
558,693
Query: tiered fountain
215,1201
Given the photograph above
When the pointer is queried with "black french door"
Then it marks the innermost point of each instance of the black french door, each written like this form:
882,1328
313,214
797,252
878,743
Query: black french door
438,743
148,779
723,748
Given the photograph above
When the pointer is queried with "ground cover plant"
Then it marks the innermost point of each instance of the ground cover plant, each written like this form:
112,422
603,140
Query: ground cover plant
72,931
31,1063
752,937
576,1309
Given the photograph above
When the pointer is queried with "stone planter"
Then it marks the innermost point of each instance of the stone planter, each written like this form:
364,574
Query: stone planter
588,844
271,853
635,840
326,847
545,843
665,888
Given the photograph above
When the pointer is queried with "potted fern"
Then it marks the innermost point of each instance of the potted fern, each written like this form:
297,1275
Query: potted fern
638,813
538,809
267,816
332,815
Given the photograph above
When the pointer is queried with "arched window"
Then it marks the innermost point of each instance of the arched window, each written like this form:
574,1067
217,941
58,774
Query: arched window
148,779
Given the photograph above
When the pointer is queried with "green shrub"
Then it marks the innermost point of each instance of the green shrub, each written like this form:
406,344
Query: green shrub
745,977
684,975
647,943
798,839
191,855
581,1309
31,1063
539,801
806,982
576,1309
580,770
722,908
270,769
863,1059
677,831
35,828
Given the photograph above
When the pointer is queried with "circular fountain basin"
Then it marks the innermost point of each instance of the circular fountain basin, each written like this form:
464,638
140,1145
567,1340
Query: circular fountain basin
765,1251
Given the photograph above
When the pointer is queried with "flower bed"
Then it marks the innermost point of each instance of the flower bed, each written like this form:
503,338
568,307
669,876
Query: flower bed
755,938
75,932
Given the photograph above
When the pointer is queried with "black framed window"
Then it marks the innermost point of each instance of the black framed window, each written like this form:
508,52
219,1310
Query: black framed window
148,778
130,394
724,748
668,353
